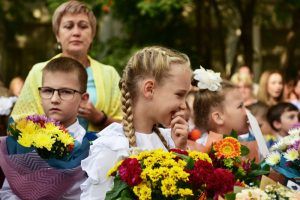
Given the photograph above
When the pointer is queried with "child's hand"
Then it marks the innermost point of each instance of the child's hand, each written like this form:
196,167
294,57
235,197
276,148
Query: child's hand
179,130
89,112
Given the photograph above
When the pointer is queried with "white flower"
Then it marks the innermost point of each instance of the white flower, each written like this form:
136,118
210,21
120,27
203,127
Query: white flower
280,145
294,131
291,154
6,104
207,79
252,193
273,158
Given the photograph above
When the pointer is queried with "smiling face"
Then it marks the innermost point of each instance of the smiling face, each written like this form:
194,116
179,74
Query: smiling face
275,85
75,34
64,111
170,96
234,112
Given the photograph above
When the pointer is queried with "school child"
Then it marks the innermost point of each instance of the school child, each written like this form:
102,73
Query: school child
282,117
63,90
219,109
154,86
259,110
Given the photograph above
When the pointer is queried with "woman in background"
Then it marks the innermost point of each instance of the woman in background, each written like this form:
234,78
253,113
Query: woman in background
74,26
270,89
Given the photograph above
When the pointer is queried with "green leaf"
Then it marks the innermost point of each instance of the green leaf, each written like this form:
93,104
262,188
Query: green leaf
190,162
258,172
234,134
244,150
230,196
116,191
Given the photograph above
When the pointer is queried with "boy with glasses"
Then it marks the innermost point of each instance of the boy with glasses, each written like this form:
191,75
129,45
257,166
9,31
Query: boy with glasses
63,90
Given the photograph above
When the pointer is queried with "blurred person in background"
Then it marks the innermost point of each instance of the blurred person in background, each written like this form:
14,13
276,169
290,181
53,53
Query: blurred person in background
259,110
270,89
15,86
245,85
74,26
294,95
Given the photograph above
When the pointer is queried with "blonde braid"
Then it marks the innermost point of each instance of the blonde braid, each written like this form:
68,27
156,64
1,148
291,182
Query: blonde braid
127,115
161,137
154,62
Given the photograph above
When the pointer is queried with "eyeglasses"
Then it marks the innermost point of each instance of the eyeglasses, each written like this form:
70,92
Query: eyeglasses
63,93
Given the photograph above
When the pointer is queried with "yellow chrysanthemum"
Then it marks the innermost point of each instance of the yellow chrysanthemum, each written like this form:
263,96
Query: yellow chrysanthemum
65,138
196,155
229,147
25,140
42,140
115,168
185,192
168,187
142,191
27,127
178,173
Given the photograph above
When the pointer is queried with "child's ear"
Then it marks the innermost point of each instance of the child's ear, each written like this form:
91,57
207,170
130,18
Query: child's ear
277,125
217,117
85,97
148,88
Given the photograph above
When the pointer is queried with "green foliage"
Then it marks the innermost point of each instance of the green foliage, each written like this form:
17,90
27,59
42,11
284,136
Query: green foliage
119,191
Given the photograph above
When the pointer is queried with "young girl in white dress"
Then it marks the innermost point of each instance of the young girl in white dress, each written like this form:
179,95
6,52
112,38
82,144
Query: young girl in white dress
154,86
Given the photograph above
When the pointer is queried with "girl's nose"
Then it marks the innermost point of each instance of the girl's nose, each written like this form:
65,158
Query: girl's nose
183,105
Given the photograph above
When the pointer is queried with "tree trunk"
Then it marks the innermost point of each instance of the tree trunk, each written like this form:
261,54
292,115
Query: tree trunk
221,35
288,57
246,10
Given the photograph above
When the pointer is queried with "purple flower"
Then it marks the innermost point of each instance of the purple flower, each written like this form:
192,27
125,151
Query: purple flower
296,145
42,119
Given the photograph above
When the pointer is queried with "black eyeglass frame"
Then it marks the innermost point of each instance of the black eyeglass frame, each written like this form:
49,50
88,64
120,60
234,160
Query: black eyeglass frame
58,92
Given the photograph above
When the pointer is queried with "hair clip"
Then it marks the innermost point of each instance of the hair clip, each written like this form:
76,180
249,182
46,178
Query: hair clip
207,79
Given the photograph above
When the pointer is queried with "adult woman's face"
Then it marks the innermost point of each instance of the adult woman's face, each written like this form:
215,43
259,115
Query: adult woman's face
75,34
275,85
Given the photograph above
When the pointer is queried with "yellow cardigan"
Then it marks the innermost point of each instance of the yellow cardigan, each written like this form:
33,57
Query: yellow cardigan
106,81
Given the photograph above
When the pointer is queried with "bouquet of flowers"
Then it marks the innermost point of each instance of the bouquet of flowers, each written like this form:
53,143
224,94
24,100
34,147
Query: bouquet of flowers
229,154
284,156
40,159
269,192
47,137
176,174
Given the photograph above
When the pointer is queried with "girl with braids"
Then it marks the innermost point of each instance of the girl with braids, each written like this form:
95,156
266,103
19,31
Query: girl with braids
218,109
154,86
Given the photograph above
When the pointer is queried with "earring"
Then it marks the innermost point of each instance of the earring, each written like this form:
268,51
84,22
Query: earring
58,46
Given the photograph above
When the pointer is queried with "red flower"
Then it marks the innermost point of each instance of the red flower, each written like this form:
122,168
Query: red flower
220,182
130,171
200,173
179,151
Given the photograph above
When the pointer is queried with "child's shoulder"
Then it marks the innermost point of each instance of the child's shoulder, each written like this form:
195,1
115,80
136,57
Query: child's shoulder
112,137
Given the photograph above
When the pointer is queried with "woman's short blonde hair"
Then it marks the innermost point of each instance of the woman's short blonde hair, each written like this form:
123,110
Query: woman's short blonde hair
244,79
72,7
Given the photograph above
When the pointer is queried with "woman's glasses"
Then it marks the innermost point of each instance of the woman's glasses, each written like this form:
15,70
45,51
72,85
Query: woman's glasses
63,93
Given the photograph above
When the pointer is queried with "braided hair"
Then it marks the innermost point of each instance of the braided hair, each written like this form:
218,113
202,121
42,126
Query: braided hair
153,62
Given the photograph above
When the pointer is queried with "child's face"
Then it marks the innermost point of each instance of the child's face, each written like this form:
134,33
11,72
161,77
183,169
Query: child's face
275,85
234,112
297,88
56,108
170,96
288,119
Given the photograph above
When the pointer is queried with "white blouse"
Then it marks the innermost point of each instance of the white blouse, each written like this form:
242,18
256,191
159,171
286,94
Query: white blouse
111,147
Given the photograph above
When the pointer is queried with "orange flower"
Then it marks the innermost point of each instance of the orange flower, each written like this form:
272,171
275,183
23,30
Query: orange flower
228,147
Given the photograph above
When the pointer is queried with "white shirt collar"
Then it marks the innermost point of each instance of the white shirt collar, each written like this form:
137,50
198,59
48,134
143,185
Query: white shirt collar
77,130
